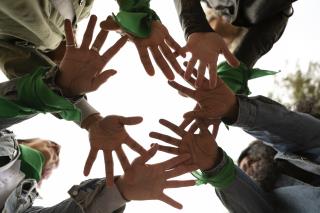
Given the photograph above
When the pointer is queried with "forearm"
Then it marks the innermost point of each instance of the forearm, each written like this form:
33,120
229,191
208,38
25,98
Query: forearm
236,190
33,93
90,196
244,195
259,39
271,122
192,17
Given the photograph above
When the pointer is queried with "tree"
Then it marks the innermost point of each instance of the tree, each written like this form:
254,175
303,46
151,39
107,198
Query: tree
303,89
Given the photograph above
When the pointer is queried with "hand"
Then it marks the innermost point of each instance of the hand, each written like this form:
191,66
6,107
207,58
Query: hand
202,147
108,134
206,121
205,48
214,104
81,68
147,181
159,43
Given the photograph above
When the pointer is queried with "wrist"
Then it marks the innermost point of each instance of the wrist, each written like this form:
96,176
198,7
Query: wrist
121,187
232,113
216,160
89,121
60,82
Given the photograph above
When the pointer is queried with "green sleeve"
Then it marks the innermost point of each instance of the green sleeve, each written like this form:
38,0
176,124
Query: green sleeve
135,17
34,96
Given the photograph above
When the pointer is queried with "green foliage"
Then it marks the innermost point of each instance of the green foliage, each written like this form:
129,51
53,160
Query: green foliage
303,89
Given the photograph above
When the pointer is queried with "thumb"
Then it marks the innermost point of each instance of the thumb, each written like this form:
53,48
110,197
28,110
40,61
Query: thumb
131,120
109,24
102,78
147,155
231,59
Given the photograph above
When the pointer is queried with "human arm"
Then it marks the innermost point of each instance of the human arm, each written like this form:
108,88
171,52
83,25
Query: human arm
259,116
269,121
235,189
145,30
108,134
140,181
204,44
144,181
192,17
80,72
260,38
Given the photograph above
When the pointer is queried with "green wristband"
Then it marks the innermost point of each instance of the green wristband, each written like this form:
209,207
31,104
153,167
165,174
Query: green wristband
135,17
34,96
237,77
222,180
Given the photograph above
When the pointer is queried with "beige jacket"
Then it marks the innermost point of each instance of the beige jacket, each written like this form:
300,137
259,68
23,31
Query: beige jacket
32,23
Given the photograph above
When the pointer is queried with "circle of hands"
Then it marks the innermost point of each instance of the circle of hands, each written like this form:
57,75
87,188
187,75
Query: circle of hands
142,181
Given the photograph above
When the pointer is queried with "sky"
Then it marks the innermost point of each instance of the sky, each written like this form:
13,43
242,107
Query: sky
132,92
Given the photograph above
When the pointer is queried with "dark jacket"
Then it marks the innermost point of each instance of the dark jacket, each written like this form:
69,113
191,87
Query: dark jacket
265,20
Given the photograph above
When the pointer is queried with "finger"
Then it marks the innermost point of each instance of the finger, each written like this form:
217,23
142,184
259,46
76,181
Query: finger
109,24
171,163
108,162
196,114
135,145
231,59
170,57
173,127
174,45
114,49
215,130
161,62
203,128
191,81
123,159
70,41
179,183
186,122
168,149
190,68
213,75
183,89
180,170
145,59
102,78
170,201
165,138
100,39
87,36
193,128
148,154
131,120
90,160
201,73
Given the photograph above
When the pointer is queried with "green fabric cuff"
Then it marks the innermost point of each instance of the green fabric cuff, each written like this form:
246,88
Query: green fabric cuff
35,94
32,162
135,17
237,77
222,180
